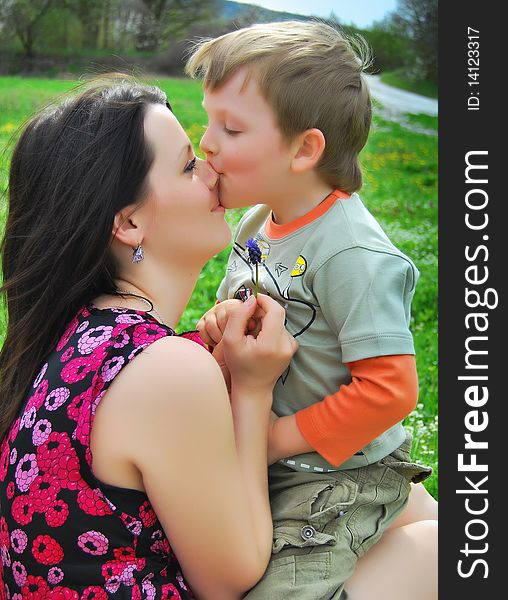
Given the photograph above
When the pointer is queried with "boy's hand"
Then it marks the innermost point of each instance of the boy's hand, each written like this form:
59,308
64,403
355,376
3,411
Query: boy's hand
212,324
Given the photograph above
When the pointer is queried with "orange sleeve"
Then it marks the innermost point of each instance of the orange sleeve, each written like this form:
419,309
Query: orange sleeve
383,391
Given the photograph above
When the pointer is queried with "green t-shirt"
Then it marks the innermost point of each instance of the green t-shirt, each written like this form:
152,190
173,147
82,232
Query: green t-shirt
347,292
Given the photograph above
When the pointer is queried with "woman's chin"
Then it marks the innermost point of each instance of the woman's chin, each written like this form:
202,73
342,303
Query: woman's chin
219,243
228,236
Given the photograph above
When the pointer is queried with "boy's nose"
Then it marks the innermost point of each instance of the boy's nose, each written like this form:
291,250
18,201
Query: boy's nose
206,144
205,172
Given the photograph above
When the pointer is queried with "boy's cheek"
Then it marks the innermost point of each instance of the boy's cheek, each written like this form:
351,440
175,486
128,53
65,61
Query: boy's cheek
241,155
234,199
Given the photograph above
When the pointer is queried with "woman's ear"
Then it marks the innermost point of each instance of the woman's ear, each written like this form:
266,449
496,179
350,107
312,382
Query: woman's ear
309,147
126,228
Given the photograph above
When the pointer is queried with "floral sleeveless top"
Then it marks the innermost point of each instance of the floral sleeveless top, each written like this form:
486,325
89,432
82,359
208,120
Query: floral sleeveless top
63,533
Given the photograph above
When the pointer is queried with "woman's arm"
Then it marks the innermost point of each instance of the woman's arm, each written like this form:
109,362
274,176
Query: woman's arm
201,473
201,460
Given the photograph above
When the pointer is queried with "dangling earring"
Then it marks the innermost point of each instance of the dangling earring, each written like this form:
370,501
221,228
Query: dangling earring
137,254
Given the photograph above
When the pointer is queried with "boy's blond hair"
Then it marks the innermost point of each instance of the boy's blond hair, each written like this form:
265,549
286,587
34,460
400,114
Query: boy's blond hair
311,75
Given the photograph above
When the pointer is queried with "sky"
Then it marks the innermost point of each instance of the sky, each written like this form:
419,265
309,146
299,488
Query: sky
359,12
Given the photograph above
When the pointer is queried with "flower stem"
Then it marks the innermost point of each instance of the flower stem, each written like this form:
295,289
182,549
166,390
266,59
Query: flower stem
256,289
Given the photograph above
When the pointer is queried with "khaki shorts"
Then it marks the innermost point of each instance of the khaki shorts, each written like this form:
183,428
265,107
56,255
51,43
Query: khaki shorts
324,522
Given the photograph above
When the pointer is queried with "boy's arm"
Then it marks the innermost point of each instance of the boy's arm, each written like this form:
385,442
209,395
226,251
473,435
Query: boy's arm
364,296
382,392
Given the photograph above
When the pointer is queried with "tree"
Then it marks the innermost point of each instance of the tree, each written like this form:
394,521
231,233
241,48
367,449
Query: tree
89,13
333,18
418,19
392,48
24,17
164,19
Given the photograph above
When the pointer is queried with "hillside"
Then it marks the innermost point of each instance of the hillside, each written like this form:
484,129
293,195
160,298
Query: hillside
233,10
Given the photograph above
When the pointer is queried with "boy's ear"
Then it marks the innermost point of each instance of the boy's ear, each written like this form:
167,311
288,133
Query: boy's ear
308,149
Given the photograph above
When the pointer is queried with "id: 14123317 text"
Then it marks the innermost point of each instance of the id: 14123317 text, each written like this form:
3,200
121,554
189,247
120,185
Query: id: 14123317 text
473,68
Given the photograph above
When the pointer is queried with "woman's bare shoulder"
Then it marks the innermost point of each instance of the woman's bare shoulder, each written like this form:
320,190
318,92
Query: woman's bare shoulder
173,380
171,364
173,349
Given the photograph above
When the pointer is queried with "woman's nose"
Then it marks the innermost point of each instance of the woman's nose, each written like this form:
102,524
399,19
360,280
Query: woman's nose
206,173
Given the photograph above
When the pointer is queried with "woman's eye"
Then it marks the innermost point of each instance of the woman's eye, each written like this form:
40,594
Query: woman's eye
191,165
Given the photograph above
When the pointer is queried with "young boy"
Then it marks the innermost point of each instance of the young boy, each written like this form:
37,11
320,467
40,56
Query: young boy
289,111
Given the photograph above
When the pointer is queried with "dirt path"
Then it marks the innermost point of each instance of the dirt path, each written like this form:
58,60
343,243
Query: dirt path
396,102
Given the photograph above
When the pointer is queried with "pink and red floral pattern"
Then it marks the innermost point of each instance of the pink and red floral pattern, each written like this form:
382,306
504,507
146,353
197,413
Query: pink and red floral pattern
64,535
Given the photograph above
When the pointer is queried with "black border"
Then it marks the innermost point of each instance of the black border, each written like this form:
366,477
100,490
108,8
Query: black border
460,131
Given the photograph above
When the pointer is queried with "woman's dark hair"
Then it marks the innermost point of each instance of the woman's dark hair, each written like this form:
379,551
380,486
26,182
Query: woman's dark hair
76,164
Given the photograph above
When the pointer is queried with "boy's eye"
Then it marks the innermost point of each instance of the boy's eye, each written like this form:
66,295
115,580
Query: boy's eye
231,131
190,166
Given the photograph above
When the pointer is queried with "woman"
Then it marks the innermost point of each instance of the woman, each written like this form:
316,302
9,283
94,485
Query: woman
112,425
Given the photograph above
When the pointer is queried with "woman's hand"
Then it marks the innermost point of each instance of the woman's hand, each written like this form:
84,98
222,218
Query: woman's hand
218,354
272,455
255,363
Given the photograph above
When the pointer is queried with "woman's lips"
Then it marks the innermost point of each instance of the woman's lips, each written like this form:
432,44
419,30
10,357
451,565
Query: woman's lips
218,207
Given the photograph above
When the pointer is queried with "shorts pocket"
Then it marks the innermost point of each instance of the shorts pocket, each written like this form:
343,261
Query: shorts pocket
303,577
300,514
383,495
366,526
409,471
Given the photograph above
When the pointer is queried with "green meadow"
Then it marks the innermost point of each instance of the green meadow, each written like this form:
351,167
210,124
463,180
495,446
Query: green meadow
400,189
400,79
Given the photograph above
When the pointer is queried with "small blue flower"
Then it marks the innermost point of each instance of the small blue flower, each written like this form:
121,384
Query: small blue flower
254,251
254,254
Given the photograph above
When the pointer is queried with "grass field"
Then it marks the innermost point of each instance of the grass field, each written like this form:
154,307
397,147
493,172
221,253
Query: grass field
400,189
399,79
